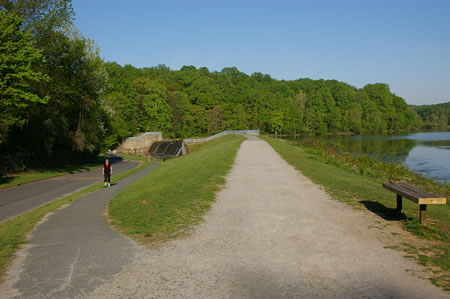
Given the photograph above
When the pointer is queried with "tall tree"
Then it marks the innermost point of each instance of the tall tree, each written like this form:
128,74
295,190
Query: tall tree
18,57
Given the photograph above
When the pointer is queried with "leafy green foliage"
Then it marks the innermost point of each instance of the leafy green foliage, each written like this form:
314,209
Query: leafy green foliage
434,116
204,103
50,86
18,56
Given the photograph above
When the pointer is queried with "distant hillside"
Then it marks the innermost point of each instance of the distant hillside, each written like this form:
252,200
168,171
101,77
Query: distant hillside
434,116
197,102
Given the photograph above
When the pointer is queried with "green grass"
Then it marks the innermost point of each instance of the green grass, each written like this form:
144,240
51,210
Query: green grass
14,232
195,147
176,194
343,183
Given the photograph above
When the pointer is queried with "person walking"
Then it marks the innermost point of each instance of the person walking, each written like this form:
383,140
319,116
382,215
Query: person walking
107,172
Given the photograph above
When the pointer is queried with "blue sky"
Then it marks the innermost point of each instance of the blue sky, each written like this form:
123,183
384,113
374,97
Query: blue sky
405,44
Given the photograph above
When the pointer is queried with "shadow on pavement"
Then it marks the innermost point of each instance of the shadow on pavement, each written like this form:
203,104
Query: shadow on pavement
112,158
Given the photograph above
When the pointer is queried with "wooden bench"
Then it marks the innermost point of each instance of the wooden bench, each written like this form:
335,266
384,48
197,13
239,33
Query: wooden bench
420,197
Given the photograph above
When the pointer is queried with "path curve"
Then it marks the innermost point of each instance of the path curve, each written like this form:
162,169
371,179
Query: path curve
20,199
72,250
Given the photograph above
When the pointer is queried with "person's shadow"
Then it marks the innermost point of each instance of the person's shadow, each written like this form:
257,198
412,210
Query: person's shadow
390,214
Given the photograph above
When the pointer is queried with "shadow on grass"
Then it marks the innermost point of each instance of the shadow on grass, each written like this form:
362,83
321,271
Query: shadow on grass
384,212
5,179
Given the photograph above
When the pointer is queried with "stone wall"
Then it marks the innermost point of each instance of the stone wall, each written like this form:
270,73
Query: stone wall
140,144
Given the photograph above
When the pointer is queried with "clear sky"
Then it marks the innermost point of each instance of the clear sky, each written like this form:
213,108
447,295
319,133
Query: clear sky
405,44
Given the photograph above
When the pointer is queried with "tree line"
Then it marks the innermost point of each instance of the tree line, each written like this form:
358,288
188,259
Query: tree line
59,99
435,116
197,102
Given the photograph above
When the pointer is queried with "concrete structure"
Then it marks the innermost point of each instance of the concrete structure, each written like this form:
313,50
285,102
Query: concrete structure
138,145
201,140
168,149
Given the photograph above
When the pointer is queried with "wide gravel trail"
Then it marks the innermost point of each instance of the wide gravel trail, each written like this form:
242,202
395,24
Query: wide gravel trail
272,233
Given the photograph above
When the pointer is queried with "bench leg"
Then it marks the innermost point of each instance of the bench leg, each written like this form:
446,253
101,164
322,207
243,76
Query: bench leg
399,203
422,210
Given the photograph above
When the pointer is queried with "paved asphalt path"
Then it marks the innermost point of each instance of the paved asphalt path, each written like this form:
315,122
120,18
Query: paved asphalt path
72,251
17,200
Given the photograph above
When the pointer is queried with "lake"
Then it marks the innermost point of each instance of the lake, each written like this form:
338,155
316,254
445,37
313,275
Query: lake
426,153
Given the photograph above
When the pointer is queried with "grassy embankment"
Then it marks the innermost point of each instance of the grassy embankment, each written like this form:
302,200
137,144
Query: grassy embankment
14,232
357,181
174,196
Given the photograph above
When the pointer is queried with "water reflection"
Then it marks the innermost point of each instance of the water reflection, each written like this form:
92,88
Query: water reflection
426,153
431,161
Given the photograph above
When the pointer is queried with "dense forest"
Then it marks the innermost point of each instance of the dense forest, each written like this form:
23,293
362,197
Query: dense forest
51,80
434,116
59,99
194,102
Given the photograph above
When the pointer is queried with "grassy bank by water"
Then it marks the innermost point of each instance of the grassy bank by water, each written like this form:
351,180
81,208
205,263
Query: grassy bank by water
346,182
176,194
14,233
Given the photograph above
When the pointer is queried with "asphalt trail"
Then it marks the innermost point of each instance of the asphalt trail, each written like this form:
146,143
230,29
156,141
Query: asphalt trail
73,250
18,200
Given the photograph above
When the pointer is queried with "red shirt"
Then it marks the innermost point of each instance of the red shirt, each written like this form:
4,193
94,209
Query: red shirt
107,168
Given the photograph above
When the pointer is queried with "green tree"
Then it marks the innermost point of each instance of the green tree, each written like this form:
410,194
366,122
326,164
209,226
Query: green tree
181,111
234,117
157,113
18,57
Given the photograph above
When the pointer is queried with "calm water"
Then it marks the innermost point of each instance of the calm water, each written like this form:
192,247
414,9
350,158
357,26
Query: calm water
426,153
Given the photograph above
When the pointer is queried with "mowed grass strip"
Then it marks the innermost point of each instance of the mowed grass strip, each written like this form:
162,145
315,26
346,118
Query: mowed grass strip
367,193
14,232
176,194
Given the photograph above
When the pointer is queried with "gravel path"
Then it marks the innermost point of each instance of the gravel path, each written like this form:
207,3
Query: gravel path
272,233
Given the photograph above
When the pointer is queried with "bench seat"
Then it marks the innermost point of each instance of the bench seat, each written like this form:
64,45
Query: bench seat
419,196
